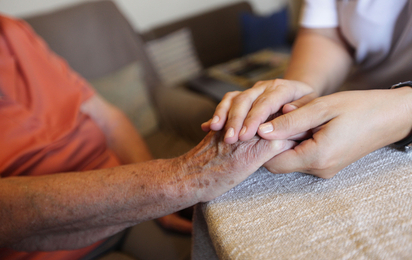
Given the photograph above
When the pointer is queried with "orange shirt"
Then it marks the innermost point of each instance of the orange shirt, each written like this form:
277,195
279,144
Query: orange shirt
42,130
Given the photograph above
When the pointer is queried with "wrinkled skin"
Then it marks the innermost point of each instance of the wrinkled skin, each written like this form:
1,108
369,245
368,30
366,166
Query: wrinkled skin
80,208
219,166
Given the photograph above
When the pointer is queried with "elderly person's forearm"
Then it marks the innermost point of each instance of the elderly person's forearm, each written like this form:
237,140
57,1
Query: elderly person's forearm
72,210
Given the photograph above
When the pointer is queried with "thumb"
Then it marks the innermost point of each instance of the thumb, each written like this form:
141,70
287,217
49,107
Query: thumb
297,121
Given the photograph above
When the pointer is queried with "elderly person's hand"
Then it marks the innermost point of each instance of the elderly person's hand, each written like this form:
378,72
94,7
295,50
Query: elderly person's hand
216,166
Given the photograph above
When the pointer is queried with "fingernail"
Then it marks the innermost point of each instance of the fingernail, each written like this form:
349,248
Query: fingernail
230,133
243,131
215,120
293,106
266,128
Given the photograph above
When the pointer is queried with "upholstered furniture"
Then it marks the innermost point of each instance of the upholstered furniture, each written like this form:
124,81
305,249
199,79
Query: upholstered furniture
361,213
99,43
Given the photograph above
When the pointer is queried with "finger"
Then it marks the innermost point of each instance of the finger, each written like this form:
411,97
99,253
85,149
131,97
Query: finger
298,121
206,125
240,107
298,103
265,105
220,116
270,102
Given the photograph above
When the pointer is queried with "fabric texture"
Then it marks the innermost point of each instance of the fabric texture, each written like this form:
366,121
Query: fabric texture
261,32
40,119
174,57
319,14
127,90
361,213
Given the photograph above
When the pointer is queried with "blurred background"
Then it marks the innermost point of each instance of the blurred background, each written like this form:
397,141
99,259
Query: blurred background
166,63
142,14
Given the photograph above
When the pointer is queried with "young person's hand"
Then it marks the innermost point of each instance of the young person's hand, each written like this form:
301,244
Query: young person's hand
346,126
241,113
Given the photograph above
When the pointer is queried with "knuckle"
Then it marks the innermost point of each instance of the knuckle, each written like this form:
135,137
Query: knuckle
259,83
262,101
286,121
252,118
320,106
267,83
236,118
280,83
242,98
230,95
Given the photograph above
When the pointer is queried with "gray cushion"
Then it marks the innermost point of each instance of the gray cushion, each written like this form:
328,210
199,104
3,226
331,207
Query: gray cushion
93,37
174,57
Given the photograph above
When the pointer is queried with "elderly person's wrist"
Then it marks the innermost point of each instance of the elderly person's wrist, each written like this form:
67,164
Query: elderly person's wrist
213,167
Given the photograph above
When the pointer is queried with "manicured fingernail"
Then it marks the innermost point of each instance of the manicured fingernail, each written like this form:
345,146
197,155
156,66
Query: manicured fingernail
243,131
215,120
266,128
293,106
230,133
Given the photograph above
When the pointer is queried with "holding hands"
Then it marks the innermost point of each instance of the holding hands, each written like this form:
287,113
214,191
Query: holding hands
334,130
241,113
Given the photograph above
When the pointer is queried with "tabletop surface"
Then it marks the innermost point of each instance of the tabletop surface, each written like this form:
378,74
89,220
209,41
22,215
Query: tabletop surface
363,212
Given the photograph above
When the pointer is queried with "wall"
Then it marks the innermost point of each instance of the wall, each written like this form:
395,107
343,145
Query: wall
143,14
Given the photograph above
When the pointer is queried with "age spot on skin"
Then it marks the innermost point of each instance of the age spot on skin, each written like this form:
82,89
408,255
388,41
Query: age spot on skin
207,183
231,182
143,187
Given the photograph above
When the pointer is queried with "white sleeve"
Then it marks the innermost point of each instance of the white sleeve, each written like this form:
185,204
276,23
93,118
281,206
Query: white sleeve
319,14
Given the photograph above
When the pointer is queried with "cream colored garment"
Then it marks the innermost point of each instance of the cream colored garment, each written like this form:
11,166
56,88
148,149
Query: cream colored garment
364,212
379,31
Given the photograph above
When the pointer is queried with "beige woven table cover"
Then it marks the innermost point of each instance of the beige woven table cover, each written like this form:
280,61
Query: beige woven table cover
364,212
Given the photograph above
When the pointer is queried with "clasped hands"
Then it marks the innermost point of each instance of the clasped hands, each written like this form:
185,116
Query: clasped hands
329,132
299,131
